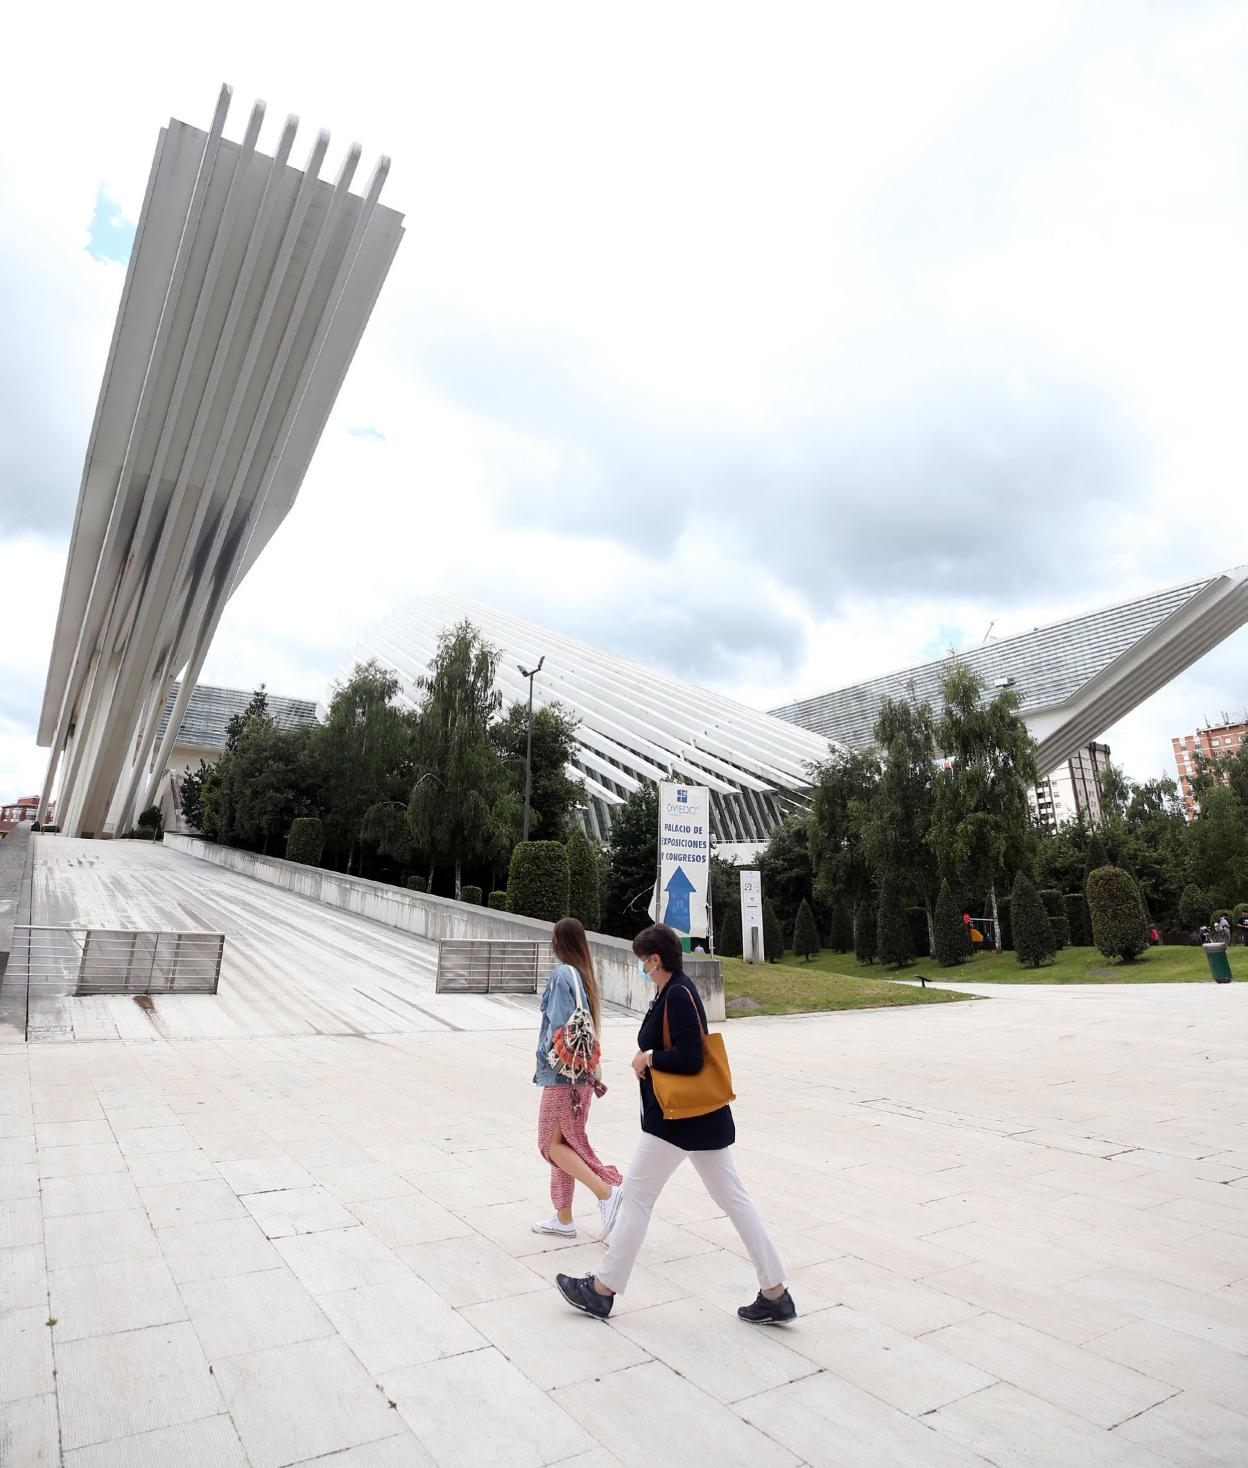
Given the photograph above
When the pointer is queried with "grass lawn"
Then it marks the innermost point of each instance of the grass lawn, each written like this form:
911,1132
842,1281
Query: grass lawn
1164,965
795,988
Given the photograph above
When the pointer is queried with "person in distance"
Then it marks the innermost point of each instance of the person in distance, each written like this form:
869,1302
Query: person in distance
567,1090
663,1145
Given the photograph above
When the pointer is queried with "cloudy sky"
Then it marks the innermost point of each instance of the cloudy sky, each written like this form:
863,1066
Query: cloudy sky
780,345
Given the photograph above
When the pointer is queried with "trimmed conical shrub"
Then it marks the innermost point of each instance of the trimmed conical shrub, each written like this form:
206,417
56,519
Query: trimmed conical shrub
1055,908
1194,907
1119,927
805,934
773,934
305,841
728,942
1034,943
952,940
537,883
894,940
1094,856
865,943
841,936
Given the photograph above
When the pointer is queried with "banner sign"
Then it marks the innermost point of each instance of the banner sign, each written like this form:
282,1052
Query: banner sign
684,858
752,917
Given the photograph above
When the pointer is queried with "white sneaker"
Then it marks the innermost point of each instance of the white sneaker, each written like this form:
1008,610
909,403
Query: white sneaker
608,1209
552,1225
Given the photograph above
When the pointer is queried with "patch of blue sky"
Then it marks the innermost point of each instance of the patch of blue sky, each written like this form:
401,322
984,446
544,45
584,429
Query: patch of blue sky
942,640
368,431
110,235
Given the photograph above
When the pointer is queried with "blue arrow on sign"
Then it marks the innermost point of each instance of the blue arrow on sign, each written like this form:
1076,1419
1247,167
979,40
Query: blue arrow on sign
678,889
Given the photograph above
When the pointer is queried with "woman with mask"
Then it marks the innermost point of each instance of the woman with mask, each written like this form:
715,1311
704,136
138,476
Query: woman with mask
663,1145
564,1109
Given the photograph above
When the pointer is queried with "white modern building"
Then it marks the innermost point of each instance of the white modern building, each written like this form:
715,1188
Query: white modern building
249,285
1075,678
636,725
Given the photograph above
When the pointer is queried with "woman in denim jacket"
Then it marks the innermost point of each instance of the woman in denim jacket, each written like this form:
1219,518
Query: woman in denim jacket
564,1109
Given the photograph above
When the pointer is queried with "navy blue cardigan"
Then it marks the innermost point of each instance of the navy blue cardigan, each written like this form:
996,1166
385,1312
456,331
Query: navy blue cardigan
685,1020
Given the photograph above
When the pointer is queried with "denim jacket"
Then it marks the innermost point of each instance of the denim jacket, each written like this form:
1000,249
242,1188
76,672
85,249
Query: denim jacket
559,999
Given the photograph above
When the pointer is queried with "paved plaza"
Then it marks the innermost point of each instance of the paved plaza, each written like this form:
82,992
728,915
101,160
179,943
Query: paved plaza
279,1227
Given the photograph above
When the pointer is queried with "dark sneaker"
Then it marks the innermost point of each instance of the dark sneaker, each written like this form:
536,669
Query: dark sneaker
582,1294
769,1312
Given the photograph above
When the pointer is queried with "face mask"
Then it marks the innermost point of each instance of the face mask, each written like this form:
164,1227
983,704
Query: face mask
641,969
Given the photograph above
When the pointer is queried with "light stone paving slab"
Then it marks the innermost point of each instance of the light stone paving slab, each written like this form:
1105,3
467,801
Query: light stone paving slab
288,1211
118,1386
30,1433
441,1402
400,1323
264,1174
340,1259
471,1270
216,1250
23,1277
400,1451
99,1238
209,1443
97,1192
1171,1356
25,1354
1189,1429
830,1423
19,1180
79,1161
531,1331
252,1312
303,1401
1013,1429
204,1200
21,1222
675,1412
103,1299
408,1218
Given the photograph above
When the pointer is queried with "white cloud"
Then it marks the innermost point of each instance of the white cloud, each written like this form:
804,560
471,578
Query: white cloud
807,331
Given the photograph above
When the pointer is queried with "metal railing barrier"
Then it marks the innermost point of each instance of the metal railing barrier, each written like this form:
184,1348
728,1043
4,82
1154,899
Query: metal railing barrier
491,966
73,960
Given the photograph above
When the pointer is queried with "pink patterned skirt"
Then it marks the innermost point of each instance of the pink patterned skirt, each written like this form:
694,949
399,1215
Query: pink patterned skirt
566,1109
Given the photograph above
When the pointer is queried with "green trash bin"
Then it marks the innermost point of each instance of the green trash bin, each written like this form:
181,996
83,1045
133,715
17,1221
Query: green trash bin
1219,964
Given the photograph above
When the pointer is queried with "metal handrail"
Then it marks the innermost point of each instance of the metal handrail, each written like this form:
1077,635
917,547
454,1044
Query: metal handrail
79,960
491,965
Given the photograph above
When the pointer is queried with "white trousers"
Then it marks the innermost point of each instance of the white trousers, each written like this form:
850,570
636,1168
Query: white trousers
653,1163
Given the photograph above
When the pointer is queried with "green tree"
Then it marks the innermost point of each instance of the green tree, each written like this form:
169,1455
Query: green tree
866,944
773,933
1034,943
1059,856
805,934
364,752
191,797
583,900
1118,922
460,809
1095,856
1229,769
899,816
1194,907
1217,843
785,868
981,824
894,941
844,787
952,944
267,780
632,863
554,796
385,830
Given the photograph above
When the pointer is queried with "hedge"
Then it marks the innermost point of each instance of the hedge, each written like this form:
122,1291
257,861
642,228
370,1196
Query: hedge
470,894
305,841
417,884
583,898
1117,911
1055,908
1078,921
805,934
537,884
1034,942
498,901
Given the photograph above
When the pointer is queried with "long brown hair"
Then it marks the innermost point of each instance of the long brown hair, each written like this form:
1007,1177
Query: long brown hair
572,946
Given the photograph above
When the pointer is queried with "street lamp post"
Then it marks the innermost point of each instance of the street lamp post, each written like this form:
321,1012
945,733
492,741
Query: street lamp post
530,674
